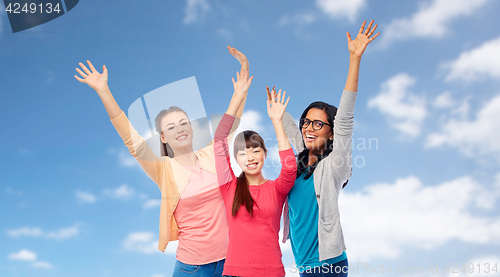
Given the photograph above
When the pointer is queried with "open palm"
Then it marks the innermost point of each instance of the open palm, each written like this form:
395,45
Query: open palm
92,77
276,106
358,45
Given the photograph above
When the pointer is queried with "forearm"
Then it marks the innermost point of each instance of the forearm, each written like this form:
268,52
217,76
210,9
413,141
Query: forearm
353,73
283,143
236,105
109,102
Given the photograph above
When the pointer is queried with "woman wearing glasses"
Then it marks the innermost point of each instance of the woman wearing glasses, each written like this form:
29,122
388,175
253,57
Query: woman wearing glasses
323,141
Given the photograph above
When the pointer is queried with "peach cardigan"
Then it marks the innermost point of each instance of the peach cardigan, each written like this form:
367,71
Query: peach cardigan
167,173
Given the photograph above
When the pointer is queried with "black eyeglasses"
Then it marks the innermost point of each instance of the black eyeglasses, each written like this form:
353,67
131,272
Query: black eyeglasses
317,124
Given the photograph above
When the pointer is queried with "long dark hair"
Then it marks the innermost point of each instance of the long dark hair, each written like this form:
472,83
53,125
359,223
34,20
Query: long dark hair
165,149
303,157
242,196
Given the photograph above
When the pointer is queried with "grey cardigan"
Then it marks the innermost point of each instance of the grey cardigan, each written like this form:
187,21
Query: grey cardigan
329,176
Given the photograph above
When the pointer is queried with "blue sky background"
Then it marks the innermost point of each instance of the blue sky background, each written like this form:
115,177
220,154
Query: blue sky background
75,203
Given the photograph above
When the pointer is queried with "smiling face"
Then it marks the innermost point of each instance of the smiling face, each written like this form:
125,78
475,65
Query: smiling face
251,160
250,152
176,130
316,140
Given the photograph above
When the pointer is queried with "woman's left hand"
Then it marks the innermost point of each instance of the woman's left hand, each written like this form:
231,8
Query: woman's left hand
358,45
242,83
240,57
277,105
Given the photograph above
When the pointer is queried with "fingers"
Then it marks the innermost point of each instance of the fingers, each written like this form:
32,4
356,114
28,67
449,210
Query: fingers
234,83
85,68
283,98
369,27
250,80
91,66
268,93
362,27
374,37
273,97
268,104
237,75
286,104
373,30
279,97
349,39
81,73
81,80
104,71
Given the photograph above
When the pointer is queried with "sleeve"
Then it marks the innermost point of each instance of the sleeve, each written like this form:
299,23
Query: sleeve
293,133
221,150
340,159
232,132
138,147
286,180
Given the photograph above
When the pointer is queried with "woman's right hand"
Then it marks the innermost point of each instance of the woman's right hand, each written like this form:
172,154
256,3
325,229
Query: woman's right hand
93,78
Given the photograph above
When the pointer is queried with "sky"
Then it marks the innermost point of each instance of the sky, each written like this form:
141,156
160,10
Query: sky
425,188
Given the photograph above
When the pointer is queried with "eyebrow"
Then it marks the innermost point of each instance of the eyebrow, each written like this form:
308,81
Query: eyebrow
173,122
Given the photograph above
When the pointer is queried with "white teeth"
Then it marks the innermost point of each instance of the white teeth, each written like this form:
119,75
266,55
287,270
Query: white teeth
252,165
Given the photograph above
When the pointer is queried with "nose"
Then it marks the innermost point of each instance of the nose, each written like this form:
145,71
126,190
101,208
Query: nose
310,127
250,156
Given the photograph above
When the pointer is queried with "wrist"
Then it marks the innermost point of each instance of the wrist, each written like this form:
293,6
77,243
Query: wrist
354,58
102,89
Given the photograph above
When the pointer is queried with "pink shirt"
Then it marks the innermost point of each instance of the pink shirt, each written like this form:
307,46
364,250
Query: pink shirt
253,241
201,217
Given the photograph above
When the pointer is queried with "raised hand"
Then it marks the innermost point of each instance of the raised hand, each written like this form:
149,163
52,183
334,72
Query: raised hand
242,83
240,57
276,106
92,77
358,45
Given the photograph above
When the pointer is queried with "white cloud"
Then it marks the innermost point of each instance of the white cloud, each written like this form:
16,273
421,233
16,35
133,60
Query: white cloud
475,138
383,219
143,242
196,10
225,33
431,20
44,265
85,197
127,160
152,203
298,18
444,100
341,9
123,192
147,243
23,255
404,110
25,231
64,233
60,234
476,64
251,120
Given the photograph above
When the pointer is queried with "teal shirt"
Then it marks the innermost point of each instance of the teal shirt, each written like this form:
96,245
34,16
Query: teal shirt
304,213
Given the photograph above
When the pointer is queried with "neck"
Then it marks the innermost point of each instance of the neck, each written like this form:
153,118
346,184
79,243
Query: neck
313,156
187,158
256,180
